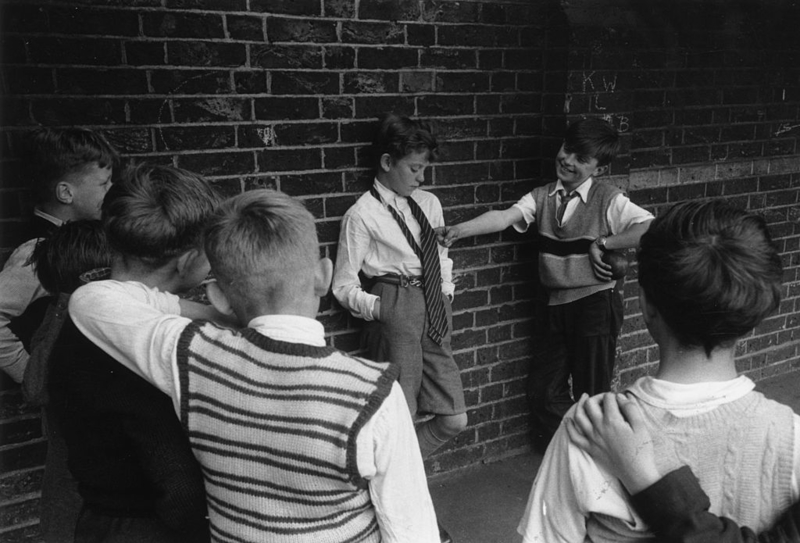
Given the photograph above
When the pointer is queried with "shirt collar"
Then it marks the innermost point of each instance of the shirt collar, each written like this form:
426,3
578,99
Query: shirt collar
691,398
389,196
46,216
290,328
582,190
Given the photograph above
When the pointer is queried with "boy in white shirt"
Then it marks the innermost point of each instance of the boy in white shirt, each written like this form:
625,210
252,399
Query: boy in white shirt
298,442
388,235
70,170
708,274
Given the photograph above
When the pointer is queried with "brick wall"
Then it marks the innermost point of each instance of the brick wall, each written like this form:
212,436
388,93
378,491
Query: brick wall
282,93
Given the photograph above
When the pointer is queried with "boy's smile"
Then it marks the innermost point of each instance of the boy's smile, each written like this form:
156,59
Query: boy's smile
573,169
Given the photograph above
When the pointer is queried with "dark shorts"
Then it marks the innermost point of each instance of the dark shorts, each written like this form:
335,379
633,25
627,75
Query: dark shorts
429,377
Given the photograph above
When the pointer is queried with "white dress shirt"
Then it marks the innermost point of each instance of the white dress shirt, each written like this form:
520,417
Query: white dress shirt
140,327
19,287
371,241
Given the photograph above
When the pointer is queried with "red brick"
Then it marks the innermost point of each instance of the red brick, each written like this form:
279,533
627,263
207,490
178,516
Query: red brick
454,59
214,109
281,56
287,7
301,30
198,53
304,83
78,111
182,25
75,52
389,10
244,27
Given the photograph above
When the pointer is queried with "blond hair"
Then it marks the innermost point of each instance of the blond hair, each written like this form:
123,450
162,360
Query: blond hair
262,245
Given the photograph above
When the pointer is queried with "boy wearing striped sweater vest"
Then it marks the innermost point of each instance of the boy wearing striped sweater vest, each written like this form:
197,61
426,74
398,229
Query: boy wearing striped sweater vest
388,236
708,274
298,442
578,220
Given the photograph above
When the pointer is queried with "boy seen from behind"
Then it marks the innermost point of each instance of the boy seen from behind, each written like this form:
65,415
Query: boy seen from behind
70,170
708,274
299,442
579,218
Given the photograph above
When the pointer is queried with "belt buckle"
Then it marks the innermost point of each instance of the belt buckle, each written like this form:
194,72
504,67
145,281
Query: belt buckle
415,282
404,281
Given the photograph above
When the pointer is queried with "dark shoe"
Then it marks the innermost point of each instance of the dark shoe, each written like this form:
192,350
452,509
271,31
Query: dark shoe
541,442
444,536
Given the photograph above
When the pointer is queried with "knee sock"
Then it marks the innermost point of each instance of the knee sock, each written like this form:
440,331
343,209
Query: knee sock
428,440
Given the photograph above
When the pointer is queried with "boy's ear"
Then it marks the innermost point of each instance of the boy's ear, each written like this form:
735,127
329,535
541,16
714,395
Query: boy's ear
187,261
322,276
63,192
600,170
386,162
218,299
649,311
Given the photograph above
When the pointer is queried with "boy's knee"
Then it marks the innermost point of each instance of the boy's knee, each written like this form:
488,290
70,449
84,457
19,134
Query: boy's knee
452,425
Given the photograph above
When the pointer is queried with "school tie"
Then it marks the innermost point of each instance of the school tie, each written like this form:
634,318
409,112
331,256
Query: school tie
565,198
428,254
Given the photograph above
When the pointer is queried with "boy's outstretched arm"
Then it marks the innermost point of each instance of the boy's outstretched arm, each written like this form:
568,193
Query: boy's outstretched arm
610,428
489,222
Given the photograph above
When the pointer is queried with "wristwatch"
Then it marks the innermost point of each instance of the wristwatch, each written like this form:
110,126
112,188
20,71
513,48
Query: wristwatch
601,242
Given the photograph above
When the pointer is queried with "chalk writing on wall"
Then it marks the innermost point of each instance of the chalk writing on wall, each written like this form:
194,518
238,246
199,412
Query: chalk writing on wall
266,135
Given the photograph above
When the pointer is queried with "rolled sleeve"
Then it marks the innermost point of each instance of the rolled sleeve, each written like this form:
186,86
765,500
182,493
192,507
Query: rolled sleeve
354,242
19,287
527,206
389,457
623,213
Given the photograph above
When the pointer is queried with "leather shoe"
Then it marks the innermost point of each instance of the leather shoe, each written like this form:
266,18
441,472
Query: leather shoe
444,536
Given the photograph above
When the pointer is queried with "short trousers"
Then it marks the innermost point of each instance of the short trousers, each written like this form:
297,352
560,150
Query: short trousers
429,376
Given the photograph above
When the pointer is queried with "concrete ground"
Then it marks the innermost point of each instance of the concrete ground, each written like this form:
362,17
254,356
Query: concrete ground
483,504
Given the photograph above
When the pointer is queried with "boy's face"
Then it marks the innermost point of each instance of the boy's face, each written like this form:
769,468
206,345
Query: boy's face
573,169
89,186
404,176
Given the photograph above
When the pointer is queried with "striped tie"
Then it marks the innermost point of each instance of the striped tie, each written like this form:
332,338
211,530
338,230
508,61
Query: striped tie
431,270
565,198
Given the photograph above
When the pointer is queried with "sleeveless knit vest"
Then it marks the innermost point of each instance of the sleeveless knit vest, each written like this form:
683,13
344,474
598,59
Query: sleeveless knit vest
742,453
274,425
564,265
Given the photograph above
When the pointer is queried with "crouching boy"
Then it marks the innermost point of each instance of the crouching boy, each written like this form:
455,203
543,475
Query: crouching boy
298,442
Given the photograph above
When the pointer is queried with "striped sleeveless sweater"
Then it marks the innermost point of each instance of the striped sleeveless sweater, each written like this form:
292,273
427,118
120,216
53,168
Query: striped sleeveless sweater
564,264
742,453
274,425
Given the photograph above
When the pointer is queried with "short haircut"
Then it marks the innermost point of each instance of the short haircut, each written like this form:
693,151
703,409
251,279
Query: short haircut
711,270
398,136
71,250
261,244
154,213
593,138
52,153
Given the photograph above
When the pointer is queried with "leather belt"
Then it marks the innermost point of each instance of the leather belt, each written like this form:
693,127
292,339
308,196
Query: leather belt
401,280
